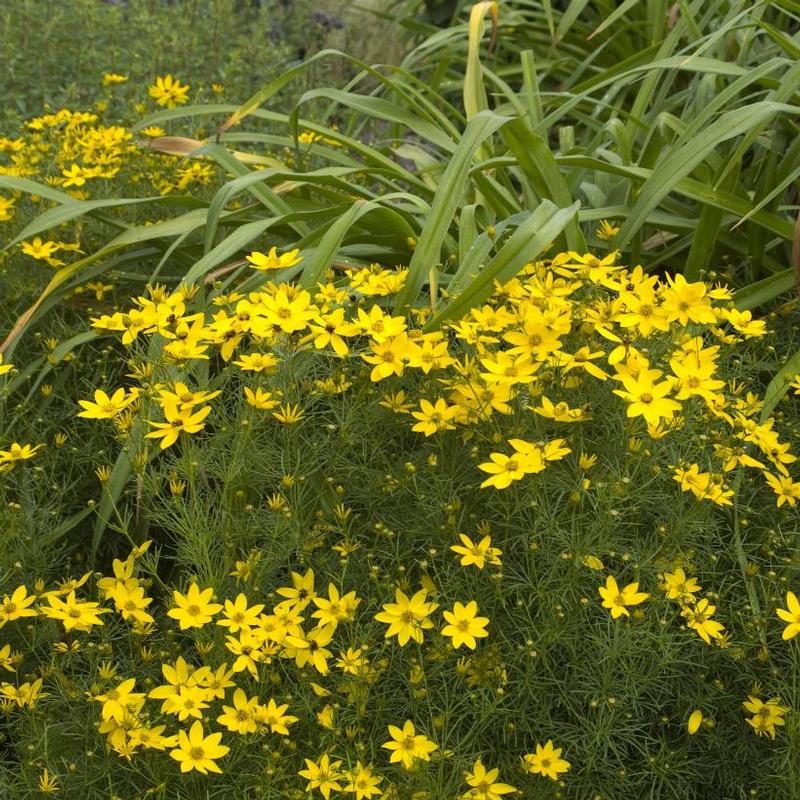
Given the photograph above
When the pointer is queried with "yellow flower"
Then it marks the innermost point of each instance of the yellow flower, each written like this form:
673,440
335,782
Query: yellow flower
327,717
194,751
151,738
617,600
74,614
484,783
786,490
289,414
75,176
217,682
336,608
5,368
17,606
407,617
606,230
546,761
686,302
560,412
380,326
274,717
647,398
238,615
477,554
178,675
464,625
703,485
194,609
26,694
239,718
790,614
119,701
434,418
301,592
527,459
695,720
257,362
6,208
186,421
312,649
329,330
324,775
260,399
153,132
407,745
679,587
99,288
362,782
48,784
353,662
105,407
766,715
131,602
38,249
7,658
698,617
182,399
287,311
509,370
593,562
388,356
110,78
272,260
187,701
168,92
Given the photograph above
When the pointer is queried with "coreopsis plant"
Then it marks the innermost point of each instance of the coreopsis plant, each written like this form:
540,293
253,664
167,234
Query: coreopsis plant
338,550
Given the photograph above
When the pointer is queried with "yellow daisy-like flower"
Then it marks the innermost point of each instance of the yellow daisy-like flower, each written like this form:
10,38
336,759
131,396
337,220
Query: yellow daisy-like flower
110,78
196,751
767,716
194,609
323,775
546,761
169,92
484,784
617,600
272,260
105,406
407,746
464,625
790,615
606,230
407,617
16,606
477,554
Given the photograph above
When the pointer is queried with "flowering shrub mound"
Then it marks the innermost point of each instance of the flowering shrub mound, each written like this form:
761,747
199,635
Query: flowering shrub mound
542,547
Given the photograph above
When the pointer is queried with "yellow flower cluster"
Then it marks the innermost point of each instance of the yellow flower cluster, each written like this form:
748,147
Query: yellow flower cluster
517,346
79,153
512,382
254,637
